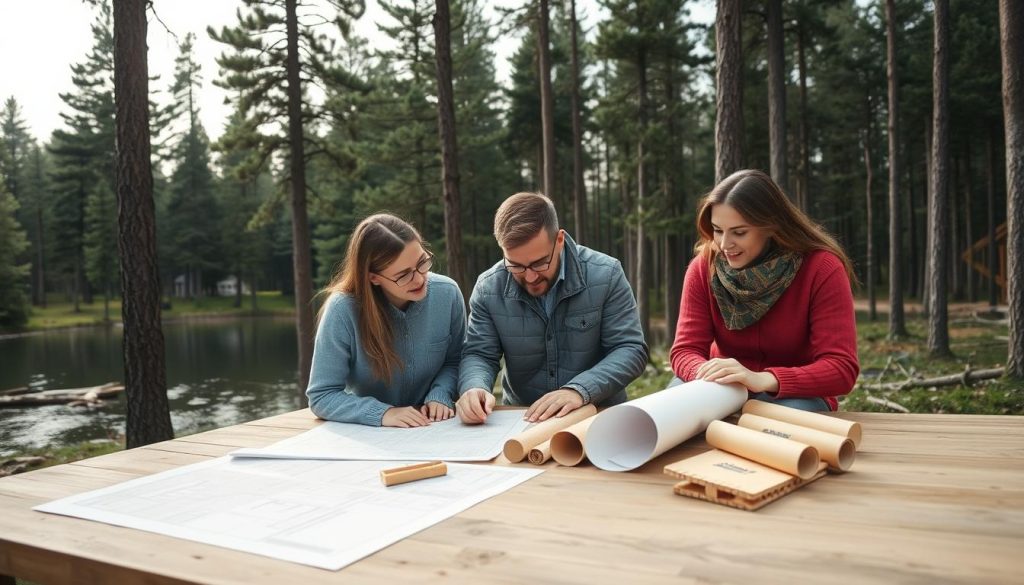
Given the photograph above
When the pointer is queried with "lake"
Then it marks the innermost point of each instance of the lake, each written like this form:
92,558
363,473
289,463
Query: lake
220,371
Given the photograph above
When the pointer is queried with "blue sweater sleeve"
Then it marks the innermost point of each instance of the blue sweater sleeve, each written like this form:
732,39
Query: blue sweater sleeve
444,388
336,339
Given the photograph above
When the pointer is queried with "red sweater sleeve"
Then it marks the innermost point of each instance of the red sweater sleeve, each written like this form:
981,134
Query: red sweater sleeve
695,328
833,341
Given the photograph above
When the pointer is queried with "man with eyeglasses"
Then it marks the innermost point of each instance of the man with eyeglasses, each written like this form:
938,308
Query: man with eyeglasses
562,315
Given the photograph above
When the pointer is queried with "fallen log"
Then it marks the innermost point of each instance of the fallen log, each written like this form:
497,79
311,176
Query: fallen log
79,396
18,464
966,378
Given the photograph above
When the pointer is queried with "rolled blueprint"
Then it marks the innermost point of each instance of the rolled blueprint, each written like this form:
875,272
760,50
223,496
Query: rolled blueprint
541,453
519,446
836,426
567,444
628,435
783,454
836,450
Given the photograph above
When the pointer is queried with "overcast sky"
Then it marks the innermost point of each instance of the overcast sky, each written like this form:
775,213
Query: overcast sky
40,39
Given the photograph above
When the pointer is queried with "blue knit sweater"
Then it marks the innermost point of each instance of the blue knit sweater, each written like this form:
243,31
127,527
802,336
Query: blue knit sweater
428,337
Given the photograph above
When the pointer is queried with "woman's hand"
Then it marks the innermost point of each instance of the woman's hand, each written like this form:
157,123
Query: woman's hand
404,417
728,370
436,411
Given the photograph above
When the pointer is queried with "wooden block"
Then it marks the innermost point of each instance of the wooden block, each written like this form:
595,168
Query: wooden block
397,475
724,478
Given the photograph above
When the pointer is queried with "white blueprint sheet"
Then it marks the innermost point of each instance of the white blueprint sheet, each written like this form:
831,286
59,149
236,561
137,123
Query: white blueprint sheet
326,514
448,440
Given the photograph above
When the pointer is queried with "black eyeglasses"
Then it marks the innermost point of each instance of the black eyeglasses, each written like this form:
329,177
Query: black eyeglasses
423,267
537,267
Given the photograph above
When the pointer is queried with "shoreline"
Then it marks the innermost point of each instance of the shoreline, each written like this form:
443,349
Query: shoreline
202,316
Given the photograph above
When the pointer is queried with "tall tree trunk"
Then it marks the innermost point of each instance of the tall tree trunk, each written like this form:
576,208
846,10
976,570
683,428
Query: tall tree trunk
777,96
579,189
147,417
803,196
449,145
990,218
914,246
674,265
643,304
238,287
1011,37
40,258
870,252
897,324
728,89
547,100
302,265
938,227
968,181
926,297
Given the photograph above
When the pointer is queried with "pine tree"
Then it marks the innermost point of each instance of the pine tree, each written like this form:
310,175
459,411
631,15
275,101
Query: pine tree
13,275
100,241
271,55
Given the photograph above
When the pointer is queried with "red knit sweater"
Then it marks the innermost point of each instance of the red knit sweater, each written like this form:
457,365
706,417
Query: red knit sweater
807,340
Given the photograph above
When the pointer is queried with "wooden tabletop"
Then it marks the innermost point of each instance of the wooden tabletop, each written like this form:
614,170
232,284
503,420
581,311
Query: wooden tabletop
930,499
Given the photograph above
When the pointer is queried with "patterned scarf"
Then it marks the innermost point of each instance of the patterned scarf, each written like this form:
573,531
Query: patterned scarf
745,295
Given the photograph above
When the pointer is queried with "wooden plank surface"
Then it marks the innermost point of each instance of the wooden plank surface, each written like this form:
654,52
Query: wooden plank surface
930,499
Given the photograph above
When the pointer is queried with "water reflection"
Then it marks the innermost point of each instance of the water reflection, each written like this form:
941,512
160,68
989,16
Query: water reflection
219,372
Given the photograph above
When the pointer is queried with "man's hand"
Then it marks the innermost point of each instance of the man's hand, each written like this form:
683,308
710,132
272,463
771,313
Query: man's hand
728,370
404,416
436,411
474,406
556,403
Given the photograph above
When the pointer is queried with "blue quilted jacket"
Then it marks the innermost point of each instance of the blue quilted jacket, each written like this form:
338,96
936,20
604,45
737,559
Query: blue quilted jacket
593,343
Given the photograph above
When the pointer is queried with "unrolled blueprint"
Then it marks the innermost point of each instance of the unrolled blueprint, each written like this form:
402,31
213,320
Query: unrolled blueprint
448,440
326,514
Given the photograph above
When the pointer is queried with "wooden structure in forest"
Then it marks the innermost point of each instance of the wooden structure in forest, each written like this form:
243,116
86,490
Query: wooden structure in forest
975,258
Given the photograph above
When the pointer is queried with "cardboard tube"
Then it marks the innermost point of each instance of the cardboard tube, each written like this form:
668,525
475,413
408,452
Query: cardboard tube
397,475
541,453
783,454
519,446
567,444
839,452
828,424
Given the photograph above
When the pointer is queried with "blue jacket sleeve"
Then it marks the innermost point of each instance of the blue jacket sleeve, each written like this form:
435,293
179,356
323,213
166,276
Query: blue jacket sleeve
481,356
329,399
622,339
445,386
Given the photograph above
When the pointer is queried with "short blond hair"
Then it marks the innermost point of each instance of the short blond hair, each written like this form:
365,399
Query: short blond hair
521,217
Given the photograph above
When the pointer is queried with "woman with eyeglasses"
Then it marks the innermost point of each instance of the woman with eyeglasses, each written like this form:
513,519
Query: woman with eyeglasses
390,333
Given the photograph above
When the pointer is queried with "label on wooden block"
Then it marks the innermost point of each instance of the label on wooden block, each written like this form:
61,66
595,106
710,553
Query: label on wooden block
730,472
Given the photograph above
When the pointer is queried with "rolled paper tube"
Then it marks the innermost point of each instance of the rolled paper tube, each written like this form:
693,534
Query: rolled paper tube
567,444
397,475
783,454
541,453
519,446
836,426
838,451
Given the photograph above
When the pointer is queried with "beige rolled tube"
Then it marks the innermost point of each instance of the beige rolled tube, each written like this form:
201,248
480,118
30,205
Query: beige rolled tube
838,451
828,424
567,444
519,446
541,453
783,454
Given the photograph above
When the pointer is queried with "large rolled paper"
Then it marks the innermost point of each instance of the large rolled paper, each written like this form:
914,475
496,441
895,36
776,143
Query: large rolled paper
628,435
836,426
541,453
782,454
836,450
567,444
519,446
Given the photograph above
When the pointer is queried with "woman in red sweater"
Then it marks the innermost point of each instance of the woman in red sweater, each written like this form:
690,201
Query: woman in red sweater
767,300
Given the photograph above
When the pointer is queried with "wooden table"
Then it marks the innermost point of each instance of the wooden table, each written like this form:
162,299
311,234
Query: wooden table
931,498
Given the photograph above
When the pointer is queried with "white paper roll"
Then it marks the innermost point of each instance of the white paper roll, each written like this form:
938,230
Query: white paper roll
628,435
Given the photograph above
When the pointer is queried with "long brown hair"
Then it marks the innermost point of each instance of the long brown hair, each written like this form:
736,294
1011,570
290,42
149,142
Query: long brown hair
762,203
375,243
